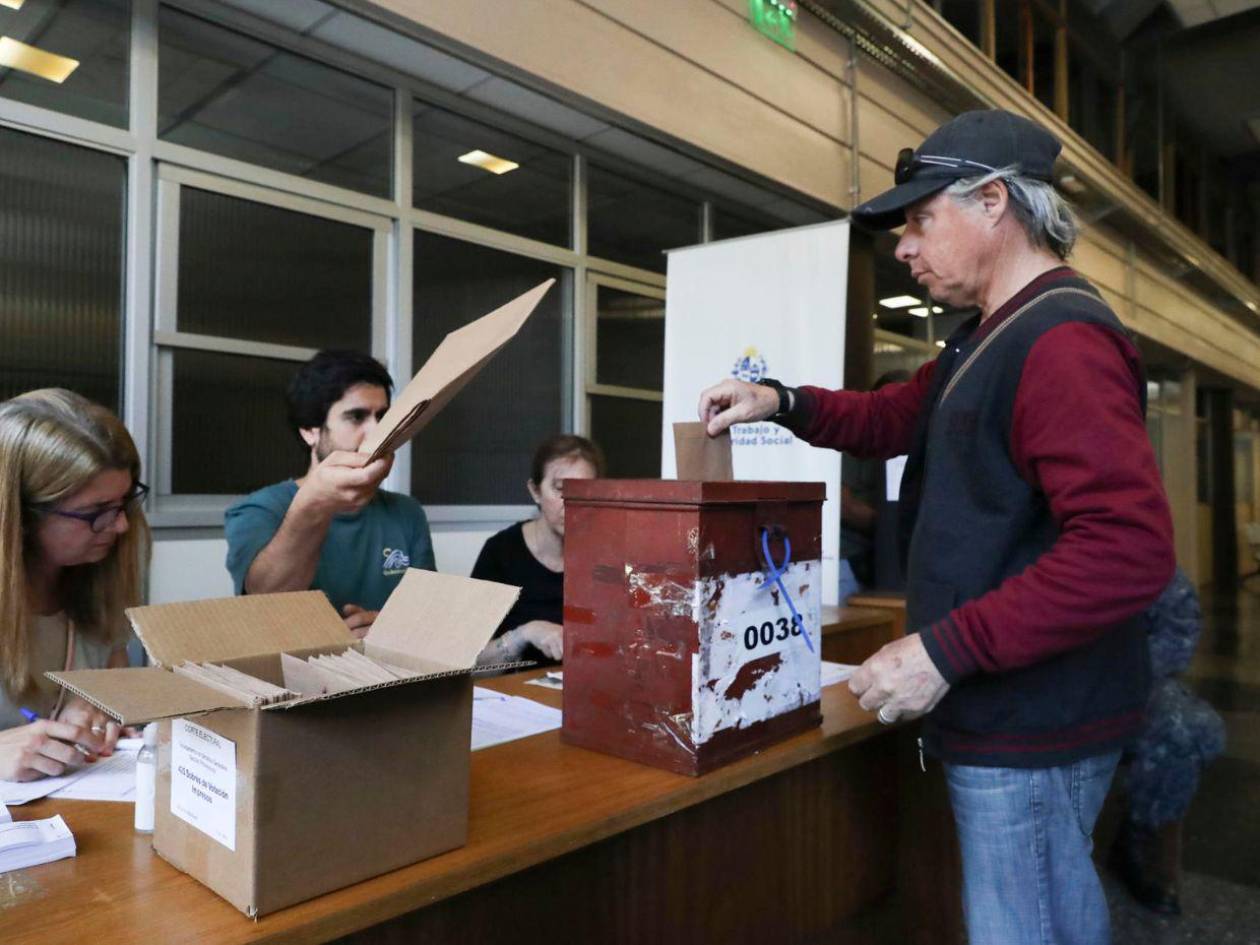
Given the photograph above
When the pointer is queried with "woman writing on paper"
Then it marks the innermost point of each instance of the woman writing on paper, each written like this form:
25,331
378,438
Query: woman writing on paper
73,541
530,555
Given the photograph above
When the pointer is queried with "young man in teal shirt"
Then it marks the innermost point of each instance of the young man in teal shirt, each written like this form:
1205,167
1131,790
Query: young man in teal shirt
334,529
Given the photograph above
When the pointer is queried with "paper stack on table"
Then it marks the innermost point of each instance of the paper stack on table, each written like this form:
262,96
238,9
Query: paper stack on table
499,718
31,842
106,779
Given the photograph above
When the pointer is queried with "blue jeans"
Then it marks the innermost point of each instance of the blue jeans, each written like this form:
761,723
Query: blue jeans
1026,840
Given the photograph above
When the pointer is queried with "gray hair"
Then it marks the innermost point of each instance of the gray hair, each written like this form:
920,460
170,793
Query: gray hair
1046,217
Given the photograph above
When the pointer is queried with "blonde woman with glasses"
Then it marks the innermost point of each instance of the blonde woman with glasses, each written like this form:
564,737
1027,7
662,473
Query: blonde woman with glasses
73,541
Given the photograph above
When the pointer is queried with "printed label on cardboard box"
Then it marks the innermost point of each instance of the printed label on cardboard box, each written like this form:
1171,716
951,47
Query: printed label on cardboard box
203,781
753,663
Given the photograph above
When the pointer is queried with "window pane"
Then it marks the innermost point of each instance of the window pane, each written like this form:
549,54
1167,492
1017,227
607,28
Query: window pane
61,264
534,200
235,96
477,451
728,224
630,339
630,433
96,33
256,272
246,396
630,222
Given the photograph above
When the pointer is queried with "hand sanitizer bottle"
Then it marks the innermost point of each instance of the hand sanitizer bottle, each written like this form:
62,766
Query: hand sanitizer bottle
146,779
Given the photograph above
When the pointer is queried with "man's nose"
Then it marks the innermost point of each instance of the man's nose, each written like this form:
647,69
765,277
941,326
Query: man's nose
906,248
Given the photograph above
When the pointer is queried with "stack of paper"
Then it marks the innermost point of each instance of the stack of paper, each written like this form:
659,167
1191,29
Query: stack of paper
106,779
249,690
499,718
338,672
31,842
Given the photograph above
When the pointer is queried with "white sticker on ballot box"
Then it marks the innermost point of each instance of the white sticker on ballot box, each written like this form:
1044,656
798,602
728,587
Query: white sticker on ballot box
203,781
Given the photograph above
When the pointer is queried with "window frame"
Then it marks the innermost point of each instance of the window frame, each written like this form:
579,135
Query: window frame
154,167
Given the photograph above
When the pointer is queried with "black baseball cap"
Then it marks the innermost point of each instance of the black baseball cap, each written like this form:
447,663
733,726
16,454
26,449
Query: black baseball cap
971,145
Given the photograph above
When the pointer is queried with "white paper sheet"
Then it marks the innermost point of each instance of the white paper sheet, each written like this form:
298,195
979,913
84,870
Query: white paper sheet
552,679
110,779
203,780
20,792
833,673
499,718
894,469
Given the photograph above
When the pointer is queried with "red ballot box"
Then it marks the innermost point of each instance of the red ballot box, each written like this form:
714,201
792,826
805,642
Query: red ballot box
681,648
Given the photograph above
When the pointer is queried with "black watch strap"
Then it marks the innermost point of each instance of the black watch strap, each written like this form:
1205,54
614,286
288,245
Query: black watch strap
785,397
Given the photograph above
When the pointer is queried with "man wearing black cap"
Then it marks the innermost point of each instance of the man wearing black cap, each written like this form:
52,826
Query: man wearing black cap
1034,524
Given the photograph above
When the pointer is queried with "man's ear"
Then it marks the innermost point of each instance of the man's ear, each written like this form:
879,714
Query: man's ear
310,435
993,198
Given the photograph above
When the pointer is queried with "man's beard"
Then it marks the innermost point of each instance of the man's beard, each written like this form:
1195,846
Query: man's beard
324,447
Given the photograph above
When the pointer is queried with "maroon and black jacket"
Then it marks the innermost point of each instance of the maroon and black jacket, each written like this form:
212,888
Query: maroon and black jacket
1038,529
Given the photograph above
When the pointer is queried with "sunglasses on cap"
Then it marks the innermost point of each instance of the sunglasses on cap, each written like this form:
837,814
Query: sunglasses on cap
908,162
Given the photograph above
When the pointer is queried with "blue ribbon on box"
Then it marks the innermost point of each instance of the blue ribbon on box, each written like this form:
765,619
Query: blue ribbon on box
776,572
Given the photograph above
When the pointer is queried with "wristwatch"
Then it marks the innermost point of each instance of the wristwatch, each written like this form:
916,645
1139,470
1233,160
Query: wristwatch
787,399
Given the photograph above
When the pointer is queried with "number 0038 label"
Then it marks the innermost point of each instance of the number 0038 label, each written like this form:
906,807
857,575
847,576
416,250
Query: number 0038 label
769,630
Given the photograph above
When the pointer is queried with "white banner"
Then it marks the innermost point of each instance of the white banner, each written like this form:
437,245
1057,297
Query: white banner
771,305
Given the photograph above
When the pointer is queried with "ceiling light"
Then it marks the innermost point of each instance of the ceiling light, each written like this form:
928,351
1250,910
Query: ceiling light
920,312
898,301
488,162
46,65
12,4
940,344
937,310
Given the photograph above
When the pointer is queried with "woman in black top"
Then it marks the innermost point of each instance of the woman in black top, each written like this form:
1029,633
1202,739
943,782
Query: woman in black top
530,555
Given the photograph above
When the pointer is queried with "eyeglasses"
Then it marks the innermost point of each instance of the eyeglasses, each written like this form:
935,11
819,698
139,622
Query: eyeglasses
908,162
105,518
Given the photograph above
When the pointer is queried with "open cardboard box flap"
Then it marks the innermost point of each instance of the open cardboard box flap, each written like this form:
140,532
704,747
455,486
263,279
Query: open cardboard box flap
437,621
456,361
228,628
142,694
441,619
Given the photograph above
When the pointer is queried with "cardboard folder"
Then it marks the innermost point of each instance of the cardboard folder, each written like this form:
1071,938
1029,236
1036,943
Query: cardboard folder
456,361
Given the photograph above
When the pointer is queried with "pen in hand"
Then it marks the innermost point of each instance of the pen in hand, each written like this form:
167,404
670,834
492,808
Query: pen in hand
33,717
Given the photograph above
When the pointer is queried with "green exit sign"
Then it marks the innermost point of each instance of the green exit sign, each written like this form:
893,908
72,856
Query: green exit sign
775,19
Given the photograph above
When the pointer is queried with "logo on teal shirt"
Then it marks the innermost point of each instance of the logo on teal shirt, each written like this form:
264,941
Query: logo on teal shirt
396,561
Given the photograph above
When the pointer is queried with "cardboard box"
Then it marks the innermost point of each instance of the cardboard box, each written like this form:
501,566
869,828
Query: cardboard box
271,806
680,650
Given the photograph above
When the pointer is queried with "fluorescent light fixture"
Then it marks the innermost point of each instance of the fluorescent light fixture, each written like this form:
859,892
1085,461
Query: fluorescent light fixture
920,312
12,4
488,162
940,344
46,65
899,301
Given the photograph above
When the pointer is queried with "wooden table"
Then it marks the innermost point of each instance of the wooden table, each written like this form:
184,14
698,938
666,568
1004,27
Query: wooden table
811,840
